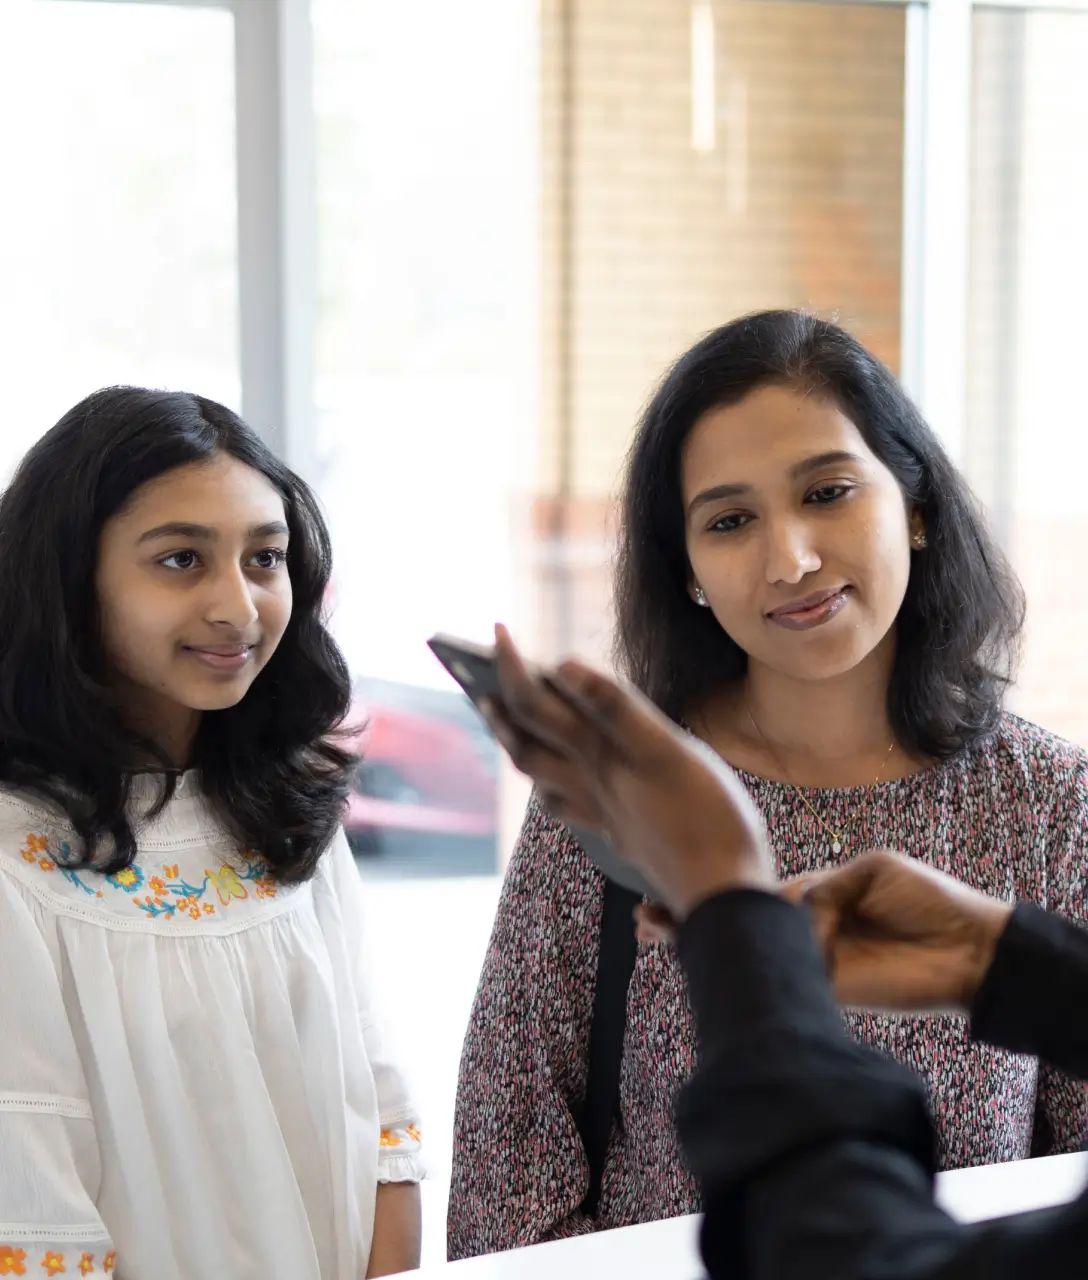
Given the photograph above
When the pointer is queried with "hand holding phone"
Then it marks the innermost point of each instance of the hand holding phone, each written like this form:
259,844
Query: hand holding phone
474,668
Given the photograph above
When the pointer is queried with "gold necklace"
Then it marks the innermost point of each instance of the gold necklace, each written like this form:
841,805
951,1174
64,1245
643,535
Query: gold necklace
838,838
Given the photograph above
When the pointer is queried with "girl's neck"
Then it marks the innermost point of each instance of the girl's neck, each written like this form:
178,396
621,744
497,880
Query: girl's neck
811,733
171,726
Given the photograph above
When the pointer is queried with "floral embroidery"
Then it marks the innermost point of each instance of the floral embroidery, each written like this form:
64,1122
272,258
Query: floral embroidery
53,1264
393,1138
86,1264
110,1261
35,847
11,1261
36,850
266,886
229,886
128,878
167,895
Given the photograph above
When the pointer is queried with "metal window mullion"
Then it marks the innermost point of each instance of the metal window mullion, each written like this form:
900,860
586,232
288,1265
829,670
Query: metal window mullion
938,243
277,272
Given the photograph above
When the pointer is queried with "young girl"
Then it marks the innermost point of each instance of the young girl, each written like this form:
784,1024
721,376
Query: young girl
191,1082
806,584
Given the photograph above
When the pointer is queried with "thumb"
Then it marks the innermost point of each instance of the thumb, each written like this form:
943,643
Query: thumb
830,896
839,889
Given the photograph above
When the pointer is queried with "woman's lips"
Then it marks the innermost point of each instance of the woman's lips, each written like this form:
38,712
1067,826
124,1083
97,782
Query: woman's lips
812,611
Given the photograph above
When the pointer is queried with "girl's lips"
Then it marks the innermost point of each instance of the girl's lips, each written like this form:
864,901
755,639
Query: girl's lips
222,657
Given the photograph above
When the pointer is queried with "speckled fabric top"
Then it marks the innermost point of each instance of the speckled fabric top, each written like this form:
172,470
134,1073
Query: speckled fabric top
1009,815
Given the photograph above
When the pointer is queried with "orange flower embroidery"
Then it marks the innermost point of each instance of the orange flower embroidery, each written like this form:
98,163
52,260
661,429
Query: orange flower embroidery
47,864
209,910
53,1264
110,1261
171,873
413,1132
86,1264
194,912
389,1139
35,846
11,1261
266,886
157,886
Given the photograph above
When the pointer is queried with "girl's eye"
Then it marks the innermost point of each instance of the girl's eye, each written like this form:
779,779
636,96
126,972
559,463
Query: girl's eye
730,523
180,560
270,558
828,493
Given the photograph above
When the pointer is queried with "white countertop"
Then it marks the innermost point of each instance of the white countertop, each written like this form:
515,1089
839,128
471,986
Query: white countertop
669,1250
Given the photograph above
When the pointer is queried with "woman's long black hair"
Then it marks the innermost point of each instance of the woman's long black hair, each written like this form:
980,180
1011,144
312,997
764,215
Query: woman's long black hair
269,765
960,624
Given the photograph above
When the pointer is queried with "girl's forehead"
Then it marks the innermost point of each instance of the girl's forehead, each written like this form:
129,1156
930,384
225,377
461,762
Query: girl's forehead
221,492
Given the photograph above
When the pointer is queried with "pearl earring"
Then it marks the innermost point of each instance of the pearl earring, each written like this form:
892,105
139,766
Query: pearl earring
700,598
920,541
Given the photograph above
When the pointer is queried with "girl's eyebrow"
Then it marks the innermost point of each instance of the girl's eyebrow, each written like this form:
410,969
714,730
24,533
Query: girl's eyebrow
201,532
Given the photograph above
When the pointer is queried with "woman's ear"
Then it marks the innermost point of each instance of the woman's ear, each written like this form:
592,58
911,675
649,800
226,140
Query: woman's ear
919,540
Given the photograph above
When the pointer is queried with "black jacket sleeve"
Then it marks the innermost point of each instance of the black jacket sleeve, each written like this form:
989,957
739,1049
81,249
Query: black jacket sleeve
1034,999
815,1155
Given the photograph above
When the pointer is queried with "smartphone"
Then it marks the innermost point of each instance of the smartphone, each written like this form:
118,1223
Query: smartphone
473,667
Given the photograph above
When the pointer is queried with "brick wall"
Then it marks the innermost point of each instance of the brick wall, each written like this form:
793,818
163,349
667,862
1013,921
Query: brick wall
647,242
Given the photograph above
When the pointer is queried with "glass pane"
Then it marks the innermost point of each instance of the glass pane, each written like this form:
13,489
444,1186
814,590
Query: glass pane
426,177
117,227
1027,447
520,226
427,157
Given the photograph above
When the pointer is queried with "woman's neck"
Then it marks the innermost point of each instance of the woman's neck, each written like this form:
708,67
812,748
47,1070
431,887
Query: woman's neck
843,717
812,733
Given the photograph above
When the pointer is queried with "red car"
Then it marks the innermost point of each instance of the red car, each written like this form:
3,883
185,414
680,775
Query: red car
428,770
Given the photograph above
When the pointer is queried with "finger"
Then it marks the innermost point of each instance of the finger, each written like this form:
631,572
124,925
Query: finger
533,705
839,889
567,808
652,935
624,723
797,890
654,923
546,767
655,916
608,706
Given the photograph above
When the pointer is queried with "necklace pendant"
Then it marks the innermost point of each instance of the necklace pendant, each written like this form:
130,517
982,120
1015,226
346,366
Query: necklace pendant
836,846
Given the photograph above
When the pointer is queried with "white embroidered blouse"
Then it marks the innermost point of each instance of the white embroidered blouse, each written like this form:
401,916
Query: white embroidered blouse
191,1081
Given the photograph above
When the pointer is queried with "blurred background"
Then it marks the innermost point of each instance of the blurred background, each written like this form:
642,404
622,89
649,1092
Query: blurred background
439,254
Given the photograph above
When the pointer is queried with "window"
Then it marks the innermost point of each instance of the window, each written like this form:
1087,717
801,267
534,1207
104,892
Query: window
118,224
1027,447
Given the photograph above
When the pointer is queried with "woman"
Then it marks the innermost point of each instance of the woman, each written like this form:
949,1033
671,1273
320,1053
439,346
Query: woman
191,1083
806,584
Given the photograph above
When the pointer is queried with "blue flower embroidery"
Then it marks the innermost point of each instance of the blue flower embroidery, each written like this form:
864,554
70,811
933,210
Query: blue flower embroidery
128,878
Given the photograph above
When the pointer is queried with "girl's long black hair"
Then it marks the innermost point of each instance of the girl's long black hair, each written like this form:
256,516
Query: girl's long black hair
269,766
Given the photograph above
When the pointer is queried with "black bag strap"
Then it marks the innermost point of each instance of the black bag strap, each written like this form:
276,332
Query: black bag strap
618,947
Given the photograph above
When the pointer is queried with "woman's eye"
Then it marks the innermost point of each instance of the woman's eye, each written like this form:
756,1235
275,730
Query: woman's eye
270,558
730,523
181,560
828,493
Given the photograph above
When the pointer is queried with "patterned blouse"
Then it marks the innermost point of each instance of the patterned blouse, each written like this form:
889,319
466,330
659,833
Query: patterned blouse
1008,815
